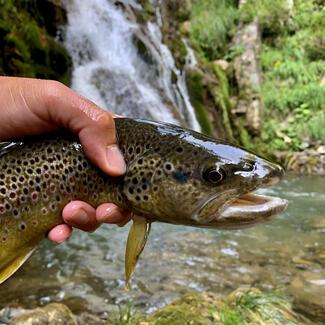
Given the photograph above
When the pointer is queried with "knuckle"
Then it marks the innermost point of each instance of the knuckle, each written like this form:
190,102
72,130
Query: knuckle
54,89
54,86
104,119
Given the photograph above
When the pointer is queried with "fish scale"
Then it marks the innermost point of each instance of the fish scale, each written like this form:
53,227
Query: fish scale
168,179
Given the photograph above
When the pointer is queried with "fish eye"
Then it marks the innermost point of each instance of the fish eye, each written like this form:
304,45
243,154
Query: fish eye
213,175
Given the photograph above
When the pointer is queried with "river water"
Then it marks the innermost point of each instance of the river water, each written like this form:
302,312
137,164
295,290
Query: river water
86,273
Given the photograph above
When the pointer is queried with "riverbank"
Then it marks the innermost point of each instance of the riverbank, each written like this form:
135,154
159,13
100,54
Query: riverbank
243,306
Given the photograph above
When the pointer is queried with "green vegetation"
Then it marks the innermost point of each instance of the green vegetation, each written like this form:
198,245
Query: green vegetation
222,99
273,16
242,307
212,25
126,316
293,67
196,91
28,47
210,38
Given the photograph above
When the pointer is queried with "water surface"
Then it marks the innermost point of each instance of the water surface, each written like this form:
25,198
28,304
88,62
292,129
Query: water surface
86,273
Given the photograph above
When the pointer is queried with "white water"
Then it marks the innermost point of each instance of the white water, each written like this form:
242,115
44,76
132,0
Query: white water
108,69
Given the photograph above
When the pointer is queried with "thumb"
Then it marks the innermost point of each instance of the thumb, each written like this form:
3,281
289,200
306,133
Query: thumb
94,126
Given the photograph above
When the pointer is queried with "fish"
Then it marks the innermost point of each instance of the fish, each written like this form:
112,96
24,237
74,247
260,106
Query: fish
174,175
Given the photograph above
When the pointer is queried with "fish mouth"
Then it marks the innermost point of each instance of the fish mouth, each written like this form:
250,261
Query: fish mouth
250,209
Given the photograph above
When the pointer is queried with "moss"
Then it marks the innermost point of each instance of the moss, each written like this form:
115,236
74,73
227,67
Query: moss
222,99
190,309
242,307
26,48
147,14
174,13
196,91
229,316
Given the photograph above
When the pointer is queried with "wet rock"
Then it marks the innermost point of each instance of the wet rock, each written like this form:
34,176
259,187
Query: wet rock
87,318
52,314
309,162
317,224
308,295
245,305
311,306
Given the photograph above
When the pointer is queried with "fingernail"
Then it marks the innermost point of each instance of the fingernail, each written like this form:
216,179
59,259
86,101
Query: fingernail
115,160
110,214
80,218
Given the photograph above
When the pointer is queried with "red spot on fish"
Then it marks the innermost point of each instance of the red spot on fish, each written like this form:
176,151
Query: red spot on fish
52,187
34,196
2,209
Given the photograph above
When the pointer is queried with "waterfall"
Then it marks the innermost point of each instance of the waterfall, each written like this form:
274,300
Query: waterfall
109,69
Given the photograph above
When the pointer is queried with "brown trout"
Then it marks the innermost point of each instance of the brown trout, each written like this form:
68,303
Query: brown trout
173,175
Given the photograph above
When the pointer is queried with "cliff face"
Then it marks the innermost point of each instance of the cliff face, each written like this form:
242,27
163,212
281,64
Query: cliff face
28,44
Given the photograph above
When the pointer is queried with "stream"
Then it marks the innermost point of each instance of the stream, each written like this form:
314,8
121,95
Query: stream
87,272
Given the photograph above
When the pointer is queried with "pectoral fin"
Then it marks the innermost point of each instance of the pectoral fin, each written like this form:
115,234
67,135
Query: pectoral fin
10,268
137,239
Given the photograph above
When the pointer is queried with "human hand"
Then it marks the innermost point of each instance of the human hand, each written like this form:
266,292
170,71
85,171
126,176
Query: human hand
33,106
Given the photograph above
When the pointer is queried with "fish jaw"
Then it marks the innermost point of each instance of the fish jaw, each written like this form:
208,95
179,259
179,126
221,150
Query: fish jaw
249,209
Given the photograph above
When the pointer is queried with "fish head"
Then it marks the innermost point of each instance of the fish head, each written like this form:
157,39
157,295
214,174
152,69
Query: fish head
191,179
224,183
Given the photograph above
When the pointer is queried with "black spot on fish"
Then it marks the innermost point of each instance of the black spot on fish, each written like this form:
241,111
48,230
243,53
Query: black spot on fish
181,177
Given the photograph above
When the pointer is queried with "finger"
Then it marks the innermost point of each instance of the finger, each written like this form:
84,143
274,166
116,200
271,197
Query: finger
80,215
94,126
60,233
51,105
124,222
110,213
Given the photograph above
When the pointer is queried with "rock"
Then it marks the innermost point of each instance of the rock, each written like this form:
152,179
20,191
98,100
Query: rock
308,295
245,305
317,224
86,318
223,64
301,263
248,73
185,28
52,314
310,161
321,150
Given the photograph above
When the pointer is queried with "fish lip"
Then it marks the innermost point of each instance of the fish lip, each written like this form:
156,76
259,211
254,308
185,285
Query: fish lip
250,209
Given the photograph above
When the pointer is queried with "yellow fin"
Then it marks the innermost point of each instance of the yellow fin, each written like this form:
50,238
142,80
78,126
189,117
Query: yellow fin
9,269
137,239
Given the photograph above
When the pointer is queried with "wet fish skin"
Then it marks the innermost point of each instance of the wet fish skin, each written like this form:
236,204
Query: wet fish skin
173,175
